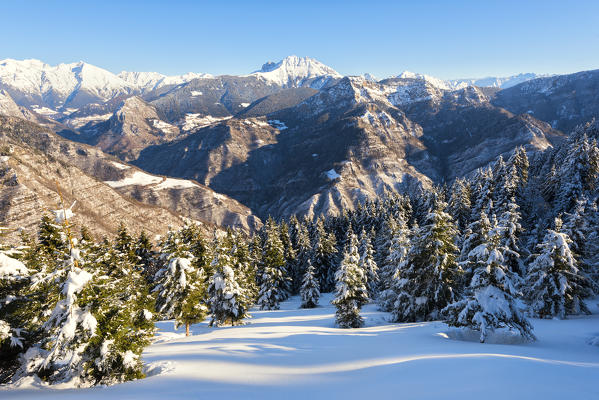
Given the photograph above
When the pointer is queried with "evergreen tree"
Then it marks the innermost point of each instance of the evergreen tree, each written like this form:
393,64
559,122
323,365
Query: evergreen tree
290,258
274,283
394,263
427,282
98,324
323,256
350,291
476,234
120,301
490,302
181,287
368,264
459,205
228,301
511,229
310,292
555,285
146,256
15,316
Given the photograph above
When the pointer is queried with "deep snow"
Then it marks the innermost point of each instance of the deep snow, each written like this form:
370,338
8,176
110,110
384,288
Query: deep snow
298,354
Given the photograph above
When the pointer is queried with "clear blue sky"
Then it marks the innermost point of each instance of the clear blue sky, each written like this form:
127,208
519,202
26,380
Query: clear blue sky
448,39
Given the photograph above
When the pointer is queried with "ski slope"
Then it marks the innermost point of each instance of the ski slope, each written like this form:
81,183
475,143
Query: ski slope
298,354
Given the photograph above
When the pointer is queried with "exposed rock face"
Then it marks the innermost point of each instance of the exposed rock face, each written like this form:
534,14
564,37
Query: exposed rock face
278,101
464,131
10,109
564,101
293,137
354,140
218,97
29,188
183,198
134,126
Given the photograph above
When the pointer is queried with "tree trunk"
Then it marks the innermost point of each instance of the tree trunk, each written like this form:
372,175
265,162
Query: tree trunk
186,329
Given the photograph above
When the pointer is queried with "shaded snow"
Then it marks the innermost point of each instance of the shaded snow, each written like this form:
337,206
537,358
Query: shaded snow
332,174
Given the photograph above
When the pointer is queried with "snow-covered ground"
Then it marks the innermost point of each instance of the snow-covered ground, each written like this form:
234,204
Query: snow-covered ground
299,354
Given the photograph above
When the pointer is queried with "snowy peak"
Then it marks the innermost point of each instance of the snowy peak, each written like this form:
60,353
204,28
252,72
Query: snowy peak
497,82
148,81
32,82
436,82
294,71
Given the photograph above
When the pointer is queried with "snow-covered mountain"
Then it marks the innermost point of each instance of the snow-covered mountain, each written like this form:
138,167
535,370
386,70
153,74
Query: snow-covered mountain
294,71
436,82
32,82
493,81
456,84
148,81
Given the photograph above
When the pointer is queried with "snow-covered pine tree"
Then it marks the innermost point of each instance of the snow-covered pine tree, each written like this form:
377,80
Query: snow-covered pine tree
396,259
310,291
120,301
146,256
427,283
99,323
180,287
482,193
577,173
476,234
15,315
490,302
227,299
368,264
459,204
555,285
350,289
274,283
510,228
382,242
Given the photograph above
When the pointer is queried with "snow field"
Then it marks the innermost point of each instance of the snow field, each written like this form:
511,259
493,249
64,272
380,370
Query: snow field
296,353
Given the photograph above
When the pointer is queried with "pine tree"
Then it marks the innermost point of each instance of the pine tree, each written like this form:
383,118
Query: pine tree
476,234
146,256
509,222
290,257
227,299
274,283
427,283
14,313
323,256
120,301
491,299
459,205
368,264
394,263
310,291
350,290
555,285
244,269
181,287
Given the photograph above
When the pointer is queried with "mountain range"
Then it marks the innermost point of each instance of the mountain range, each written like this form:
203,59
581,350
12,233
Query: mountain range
294,137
